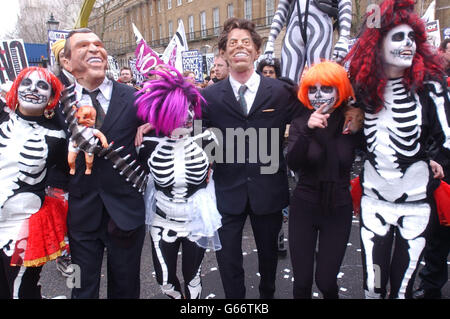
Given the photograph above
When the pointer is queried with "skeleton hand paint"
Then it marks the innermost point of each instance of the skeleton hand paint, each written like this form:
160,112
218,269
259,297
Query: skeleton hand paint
398,49
33,94
322,94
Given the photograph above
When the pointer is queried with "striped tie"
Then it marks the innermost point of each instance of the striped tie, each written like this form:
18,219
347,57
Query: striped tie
242,101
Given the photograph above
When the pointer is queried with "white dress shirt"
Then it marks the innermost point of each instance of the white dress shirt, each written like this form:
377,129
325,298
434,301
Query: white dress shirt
252,87
104,97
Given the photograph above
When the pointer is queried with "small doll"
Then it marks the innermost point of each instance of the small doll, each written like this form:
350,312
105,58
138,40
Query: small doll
85,115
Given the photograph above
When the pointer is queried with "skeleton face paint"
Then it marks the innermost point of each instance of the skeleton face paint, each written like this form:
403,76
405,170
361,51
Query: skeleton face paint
320,94
34,93
186,128
399,47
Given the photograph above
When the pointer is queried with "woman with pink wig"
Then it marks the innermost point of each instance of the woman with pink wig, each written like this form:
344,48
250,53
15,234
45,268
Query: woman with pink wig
180,202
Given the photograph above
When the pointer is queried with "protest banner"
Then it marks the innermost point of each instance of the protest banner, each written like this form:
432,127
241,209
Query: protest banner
13,58
53,36
193,61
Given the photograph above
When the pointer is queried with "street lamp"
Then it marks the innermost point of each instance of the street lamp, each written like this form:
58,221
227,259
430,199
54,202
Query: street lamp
52,24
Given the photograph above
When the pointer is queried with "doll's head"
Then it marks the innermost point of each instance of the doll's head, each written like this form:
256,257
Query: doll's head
325,82
34,90
169,102
86,115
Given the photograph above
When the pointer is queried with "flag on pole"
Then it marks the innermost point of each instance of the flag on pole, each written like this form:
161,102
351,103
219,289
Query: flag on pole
178,44
146,58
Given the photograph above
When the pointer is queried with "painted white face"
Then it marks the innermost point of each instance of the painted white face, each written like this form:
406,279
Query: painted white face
399,47
186,128
34,93
322,94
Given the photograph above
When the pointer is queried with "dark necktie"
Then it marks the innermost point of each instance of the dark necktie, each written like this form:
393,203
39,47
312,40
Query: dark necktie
242,101
96,104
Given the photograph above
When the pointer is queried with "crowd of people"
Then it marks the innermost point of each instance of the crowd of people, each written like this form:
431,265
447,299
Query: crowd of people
388,98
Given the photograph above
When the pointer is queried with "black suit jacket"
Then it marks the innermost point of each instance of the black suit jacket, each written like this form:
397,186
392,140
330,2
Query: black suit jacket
275,106
88,193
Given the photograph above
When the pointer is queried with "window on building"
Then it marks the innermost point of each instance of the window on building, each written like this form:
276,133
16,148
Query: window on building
151,9
189,0
153,34
230,11
248,9
191,27
170,29
216,21
203,23
169,4
160,34
158,3
179,2
270,11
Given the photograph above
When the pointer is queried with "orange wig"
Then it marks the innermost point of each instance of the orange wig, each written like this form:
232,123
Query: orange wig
57,87
326,73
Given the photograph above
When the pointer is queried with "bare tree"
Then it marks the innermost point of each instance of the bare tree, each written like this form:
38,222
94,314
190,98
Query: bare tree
33,16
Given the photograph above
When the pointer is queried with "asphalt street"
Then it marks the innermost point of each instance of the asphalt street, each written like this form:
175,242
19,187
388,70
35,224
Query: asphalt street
349,278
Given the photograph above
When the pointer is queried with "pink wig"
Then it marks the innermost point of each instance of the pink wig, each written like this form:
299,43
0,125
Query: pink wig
164,102
365,70
57,87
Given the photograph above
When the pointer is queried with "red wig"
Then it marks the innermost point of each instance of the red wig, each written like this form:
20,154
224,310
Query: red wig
326,73
57,87
365,70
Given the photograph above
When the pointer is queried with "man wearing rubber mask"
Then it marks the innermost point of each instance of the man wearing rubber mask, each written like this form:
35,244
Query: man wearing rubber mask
104,209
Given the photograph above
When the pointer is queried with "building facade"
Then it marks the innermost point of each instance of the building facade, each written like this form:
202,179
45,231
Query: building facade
158,20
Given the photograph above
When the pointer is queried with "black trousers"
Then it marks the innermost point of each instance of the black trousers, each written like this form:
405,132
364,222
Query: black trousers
307,226
123,260
165,256
18,282
230,260
434,275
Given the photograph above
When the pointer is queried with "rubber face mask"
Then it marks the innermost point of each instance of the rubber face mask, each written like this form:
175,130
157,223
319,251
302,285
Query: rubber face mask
34,92
399,47
322,94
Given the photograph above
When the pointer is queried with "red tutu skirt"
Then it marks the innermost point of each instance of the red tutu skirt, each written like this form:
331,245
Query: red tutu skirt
42,236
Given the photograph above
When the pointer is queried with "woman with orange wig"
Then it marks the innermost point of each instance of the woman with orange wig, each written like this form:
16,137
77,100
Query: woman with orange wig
32,225
321,148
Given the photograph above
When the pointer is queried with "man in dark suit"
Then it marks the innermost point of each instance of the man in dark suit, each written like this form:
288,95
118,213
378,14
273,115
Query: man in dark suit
248,184
104,209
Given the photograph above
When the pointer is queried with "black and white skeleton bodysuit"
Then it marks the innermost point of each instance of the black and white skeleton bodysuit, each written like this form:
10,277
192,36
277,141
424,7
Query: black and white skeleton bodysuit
398,184
181,210
315,44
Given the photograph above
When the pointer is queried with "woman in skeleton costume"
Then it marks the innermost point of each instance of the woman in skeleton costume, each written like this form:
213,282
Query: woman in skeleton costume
32,225
180,203
309,33
396,78
322,152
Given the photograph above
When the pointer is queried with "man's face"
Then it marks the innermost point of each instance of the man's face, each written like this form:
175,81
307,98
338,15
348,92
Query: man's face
88,58
322,94
240,51
398,47
269,71
125,76
34,94
220,68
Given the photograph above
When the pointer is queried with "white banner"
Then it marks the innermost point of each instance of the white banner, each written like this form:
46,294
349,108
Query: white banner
54,36
178,44
13,58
